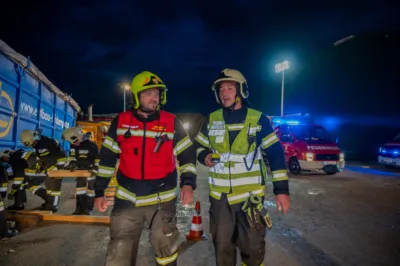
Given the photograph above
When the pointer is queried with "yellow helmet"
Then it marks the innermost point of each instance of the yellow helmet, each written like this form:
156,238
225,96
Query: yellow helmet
144,81
231,75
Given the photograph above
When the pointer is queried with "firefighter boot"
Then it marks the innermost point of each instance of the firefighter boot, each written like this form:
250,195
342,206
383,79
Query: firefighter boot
41,193
19,197
80,205
9,233
51,203
89,205
23,192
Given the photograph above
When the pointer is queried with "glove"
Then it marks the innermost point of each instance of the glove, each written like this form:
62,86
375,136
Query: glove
73,165
39,168
10,195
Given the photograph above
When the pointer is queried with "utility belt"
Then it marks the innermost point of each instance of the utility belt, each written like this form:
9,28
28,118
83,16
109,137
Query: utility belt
257,215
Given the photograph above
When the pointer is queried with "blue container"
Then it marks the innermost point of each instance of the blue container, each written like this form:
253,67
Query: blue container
28,100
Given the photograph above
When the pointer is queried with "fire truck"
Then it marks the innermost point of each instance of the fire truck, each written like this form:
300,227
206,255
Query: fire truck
307,146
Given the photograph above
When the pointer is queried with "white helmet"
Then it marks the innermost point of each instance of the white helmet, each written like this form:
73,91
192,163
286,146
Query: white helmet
28,137
73,134
104,129
5,153
231,75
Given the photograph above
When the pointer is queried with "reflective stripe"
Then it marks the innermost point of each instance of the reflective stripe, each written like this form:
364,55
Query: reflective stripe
18,180
182,145
279,175
188,168
140,133
61,161
26,155
202,140
234,198
3,187
110,144
55,193
235,182
33,189
105,171
90,193
81,191
198,151
124,194
269,140
32,172
167,260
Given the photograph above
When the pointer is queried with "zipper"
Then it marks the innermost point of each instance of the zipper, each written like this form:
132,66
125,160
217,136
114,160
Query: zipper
143,148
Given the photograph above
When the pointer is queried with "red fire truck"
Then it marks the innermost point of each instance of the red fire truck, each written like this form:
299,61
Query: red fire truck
307,146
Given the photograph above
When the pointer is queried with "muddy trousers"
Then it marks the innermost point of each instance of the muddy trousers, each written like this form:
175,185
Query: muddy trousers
230,229
84,195
50,192
127,224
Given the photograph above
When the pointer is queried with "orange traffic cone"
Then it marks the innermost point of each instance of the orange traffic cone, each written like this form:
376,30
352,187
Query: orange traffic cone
196,230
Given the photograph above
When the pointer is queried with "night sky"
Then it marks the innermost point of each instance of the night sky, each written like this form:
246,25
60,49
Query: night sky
89,47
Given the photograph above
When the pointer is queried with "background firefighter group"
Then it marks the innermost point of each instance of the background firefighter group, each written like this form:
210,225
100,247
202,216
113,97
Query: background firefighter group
28,170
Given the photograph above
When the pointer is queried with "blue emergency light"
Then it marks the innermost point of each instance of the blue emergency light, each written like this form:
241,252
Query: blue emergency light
278,120
389,151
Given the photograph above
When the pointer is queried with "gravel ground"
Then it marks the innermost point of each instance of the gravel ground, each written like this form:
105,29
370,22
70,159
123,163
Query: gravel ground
352,218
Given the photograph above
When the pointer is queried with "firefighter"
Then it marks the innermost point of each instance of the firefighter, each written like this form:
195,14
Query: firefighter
17,161
230,142
50,156
4,230
84,155
150,142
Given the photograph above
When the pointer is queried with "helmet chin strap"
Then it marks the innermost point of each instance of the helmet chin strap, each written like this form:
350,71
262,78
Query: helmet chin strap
232,107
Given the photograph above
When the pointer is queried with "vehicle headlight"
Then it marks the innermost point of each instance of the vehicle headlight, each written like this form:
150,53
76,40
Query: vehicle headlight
309,156
341,157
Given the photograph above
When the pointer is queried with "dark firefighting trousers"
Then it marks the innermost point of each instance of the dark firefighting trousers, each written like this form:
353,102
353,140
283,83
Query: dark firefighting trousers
50,192
4,230
17,192
3,222
127,224
84,195
230,228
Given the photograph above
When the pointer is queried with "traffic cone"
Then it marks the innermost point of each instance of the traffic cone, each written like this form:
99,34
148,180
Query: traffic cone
196,230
